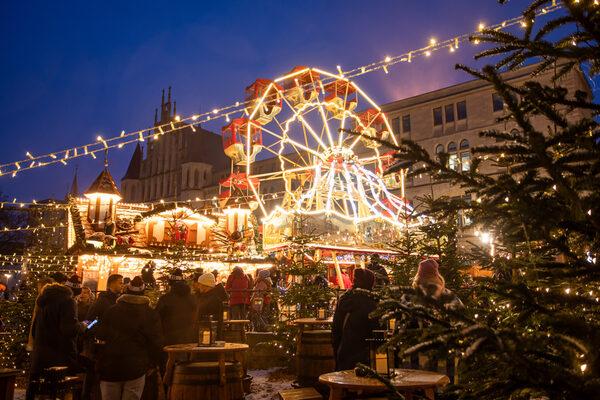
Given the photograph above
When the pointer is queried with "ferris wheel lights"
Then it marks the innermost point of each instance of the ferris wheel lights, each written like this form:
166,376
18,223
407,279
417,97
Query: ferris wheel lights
29,155
53,156
339,68
385,69
481,26
160,130
195,117
215,111
155,137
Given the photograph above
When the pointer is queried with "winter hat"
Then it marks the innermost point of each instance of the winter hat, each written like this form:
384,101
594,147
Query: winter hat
176,276
59,277
428,269
74,283
363,279
207,279
136,286
264,274
429,273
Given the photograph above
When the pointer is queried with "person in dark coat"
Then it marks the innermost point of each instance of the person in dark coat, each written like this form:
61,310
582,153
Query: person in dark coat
381,276
352,325
55,332
106,299
114,287
176,311
209,302
132,334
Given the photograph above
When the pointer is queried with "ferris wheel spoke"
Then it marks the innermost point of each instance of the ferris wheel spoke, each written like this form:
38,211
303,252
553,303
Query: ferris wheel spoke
326,125
281,156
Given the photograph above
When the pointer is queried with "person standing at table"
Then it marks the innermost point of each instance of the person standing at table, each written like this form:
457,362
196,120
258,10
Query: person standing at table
351,323
106,299
209,302
239,287
132,334
176,311
55,332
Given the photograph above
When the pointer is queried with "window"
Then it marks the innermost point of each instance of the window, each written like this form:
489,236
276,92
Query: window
449,111
396,126
187,178
461,110
452,158
196,178
437,116
464,144
465,160
406,123
439,149
497,102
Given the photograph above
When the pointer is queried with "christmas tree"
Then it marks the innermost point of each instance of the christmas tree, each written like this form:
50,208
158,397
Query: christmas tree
534,332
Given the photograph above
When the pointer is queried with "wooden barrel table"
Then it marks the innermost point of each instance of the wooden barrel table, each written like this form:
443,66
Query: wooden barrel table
201,380
314,351
316,355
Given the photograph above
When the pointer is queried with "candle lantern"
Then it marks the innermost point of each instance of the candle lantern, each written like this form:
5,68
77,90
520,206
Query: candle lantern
382,358
207,332
322,313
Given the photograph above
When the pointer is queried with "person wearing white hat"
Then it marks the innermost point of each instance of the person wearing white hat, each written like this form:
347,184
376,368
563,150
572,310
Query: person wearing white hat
209,302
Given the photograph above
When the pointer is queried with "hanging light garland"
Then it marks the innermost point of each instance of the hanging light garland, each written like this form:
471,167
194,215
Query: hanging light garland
101,144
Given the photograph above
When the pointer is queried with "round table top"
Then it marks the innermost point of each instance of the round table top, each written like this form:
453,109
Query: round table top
313,321
236,321
194,348
405,379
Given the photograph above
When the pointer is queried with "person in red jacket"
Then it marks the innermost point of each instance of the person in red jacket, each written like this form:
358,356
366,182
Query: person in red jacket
238,286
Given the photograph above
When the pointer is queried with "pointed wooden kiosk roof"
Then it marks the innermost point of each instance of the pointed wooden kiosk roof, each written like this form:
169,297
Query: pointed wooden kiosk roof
104,184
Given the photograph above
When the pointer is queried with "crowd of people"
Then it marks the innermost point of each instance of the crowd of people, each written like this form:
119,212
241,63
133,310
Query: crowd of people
116,338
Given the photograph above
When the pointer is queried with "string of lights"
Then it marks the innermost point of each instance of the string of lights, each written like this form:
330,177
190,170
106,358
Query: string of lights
62,156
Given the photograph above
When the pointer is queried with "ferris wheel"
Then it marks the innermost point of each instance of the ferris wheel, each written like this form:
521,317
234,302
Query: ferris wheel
302,118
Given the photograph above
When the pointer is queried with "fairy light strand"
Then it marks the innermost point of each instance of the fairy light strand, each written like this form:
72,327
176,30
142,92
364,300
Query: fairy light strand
101,144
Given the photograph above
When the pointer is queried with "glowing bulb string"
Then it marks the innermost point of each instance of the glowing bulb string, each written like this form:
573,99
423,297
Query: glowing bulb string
101,144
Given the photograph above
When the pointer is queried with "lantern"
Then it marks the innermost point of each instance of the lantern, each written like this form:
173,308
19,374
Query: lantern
382,358
322,313
207,332
103,197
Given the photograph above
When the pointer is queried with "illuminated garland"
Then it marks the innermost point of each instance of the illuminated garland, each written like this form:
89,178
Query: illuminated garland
61,156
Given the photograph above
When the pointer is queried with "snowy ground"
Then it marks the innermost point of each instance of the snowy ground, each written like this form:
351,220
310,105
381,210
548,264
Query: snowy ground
265,384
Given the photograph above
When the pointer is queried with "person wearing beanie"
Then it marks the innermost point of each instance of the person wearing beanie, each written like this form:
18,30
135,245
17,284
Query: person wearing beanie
74,283
209,302
238,287
176,311
132,334
351,323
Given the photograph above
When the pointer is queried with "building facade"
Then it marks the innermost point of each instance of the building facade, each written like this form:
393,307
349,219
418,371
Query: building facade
449,120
